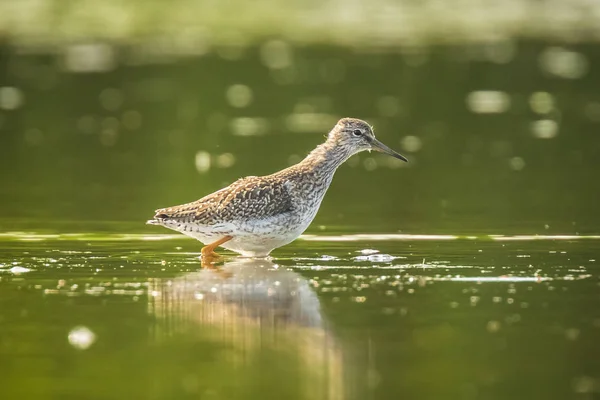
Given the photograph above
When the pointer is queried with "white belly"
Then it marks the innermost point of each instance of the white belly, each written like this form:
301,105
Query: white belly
254,238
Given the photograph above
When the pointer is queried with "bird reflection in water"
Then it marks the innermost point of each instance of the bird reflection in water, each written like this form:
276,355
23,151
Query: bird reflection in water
254,308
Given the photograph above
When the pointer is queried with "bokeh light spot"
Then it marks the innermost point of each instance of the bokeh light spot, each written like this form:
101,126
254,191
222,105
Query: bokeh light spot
95,57
488,102
544,129
563,63
276,54
247,126
225,160
11,98
541,102
81,337
411,144
239,96
516,163
202,161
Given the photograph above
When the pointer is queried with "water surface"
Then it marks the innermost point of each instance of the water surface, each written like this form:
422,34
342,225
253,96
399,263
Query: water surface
107,315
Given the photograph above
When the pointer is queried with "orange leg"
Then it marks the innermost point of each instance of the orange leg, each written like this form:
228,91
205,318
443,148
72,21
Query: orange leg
208,251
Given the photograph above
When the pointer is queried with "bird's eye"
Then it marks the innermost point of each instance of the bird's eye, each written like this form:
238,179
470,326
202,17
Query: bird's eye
357,132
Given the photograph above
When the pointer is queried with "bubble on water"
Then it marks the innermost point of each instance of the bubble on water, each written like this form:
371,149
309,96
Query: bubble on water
81,337
11,98
488,102
111,99
276,54
368,251
453,304
493,326
544,129
19,270
202,161
563,63
516,163
541,102
411,144
473,300
239,95
376,258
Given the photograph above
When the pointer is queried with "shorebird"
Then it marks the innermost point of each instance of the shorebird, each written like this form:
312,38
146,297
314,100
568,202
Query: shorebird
257,214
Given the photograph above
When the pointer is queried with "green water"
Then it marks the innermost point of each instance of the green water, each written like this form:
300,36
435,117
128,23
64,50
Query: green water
472,272
135,316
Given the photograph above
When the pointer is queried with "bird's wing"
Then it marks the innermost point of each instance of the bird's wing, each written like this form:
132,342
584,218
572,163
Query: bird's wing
247,198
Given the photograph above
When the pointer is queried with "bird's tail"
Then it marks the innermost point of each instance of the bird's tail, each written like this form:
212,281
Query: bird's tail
153,222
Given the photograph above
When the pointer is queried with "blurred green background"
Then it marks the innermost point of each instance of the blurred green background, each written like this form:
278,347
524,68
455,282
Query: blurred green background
111,109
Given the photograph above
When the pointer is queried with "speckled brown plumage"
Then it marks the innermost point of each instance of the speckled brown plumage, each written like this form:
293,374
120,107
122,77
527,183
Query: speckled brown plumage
249,197
259,213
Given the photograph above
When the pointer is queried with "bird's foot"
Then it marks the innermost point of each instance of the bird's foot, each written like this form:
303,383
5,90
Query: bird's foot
208,254
207,258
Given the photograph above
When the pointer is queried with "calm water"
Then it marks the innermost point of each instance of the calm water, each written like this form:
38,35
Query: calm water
472,272
328,317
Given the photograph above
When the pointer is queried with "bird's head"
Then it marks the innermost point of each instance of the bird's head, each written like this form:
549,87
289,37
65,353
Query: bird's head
355,135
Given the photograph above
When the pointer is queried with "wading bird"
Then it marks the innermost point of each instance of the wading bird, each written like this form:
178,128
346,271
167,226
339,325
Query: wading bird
257,214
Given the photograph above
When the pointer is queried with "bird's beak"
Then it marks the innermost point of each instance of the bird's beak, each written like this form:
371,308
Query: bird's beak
382,148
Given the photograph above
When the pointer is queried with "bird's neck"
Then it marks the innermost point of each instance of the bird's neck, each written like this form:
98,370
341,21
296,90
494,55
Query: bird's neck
326,158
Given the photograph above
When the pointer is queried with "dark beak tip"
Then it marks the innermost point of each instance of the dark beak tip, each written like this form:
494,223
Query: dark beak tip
382,148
